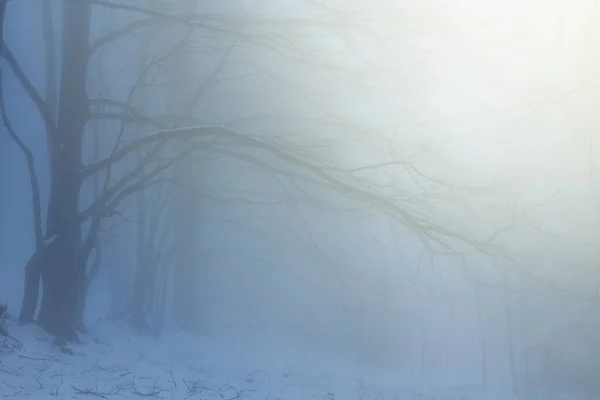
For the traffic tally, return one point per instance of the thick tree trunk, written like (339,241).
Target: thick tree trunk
(61,268)
(59,278)
(2,12)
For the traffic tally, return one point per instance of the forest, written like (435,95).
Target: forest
(294,199)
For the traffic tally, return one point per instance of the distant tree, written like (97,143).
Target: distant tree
(3,330)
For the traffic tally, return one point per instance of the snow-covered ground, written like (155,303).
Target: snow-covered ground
(114,362)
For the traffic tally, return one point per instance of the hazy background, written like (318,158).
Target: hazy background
(495,102)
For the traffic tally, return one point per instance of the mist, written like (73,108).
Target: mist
(401,194)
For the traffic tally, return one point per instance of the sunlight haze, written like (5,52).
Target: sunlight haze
(295,199)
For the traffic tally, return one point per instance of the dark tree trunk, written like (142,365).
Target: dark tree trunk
(86,279)
(161,298)
(185,213)
(59,278)
(61,268)
(2,11)
(92,244)
(140,280)
(33,273)
(185,299)
(147,266)
(79,308)
(144,292)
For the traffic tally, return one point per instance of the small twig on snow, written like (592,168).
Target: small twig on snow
(172,377)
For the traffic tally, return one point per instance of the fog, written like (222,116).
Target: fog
(416,198)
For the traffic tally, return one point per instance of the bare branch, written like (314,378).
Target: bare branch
(142,184)
(123,31)
(103,395)
(33,178)
(30,89)
(202,20)
(126,107)
(129,113)
(140,10)
(112,197)
(129,119)
(417,225)
(107,193)
(136,144)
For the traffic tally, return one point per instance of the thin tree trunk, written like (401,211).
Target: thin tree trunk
(185,268)
(2,12)
(89,276)
(86,277)
(163,284)
(33,274)
(482,336)
(138,299)
(185,213)
(142,278)
(33,269)
(145,289)
(510,339)
(148,222)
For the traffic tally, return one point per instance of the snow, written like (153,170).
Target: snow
(114,361)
